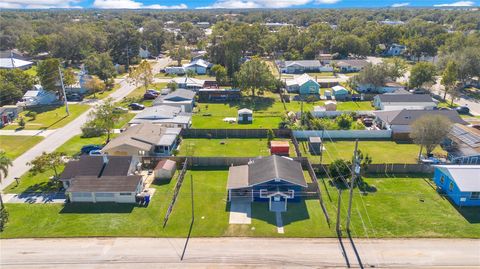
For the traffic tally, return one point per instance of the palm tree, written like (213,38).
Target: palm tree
(5,162)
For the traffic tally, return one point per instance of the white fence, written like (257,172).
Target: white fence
(344,134)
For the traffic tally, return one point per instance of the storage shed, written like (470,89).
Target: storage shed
(245,115)
(330,106)
(280,148)
(315,145)
(165,169)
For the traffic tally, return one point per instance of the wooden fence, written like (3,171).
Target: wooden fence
(233,133)
(180,178)
(386,168)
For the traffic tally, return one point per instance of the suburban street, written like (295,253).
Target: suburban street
(59,136)
(236,252)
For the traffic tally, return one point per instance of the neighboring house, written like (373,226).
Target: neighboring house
(79,86)
(399,121)
(166,116)
(219,95)
(272,179)
(404,101)
(37,97)
(8,114)
(348,66)
(144,53)
(189,83)
(302,66)
(144,139)
(304,85)
(245,115)
(203,24)
(165,169)
(389,87)
(198,54)
(325,58)
(11,59)
(461,183)
(199,66)
(102,179)
(184,99)
(463,145)
(340,92)
(395,50)
(175,70)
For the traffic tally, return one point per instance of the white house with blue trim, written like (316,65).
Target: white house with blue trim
(461,183)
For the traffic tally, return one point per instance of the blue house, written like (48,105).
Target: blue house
(340,92)
(460,182)
(272,179)
(304,85)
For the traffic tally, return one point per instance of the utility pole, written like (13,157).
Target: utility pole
(11,58)
(355,172)
(63,88)
(339,231)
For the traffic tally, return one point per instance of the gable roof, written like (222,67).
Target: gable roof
(354,63)
(189,81)
(300,80)
(105,184)
(166,164)
(245,111)
(465,176)
(199,62)
(339,89)
(17,63)
(180,94)
(406,117)
(304,63)
(405,98)
(94,166)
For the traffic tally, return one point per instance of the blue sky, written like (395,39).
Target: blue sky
(198,4)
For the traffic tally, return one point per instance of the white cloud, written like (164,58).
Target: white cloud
(401,5)
(38,4)
(131,4)
(233,4)
(457,4)
(326,1)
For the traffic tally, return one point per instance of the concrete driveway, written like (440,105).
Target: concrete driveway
(240,211)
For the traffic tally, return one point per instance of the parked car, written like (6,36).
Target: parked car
(149,96)
(418,91)
(136,106)
(95,152)
(119,110)
(462,110)
(152,91)
(88,148)
(75,97)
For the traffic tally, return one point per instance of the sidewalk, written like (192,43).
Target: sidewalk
(43,133)
(34,198)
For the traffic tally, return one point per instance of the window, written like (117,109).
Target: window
(125,194)
(104,194)
(475,195)
(442,180)
(81,194)
(450,187)
(263,193)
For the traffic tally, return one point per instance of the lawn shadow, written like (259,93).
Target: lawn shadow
(470,213)
(296,211)
(97,208)
(42,187)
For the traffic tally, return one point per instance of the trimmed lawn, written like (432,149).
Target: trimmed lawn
(232,147)
(123,120)
(30,182)
(15,146)
(380,151)
(104,94)
(341,106)
(321,74)
(49,117)
(136,96)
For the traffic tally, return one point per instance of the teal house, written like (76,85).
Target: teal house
(304,85)
(340,92)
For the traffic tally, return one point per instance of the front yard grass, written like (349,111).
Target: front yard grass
(104,94)
(15,146)
(380,151)
(49,117)
(341,106)
(136,96)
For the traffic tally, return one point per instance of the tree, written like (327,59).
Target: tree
(419,46)
(422,73)
(101,65)
(220,74)
(142,74)
(339,169)
(69,77)
(104,117)
(396,67)
(5,163)
(47,161)
(95,85)
(13,84)
(429,131)
(344,121)
(47,72)
(449,77)
(255,74)
(350,44)
(172,85)
(124,42)
(179,53)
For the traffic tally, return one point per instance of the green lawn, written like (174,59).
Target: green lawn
(123,120)
(73,146)
(49,117)
(30,182)
(104,94)
(232,147)
(15,146)
(342,106)
(136,96)
(380,151)
(321,74)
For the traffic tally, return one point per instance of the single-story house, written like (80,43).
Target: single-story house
(389,87)
(348,66)
(38,96)
(8,114)
(182,98)
(144,53)
(199,66)
(274,179)
(340,92)
(395,50)
(302,66)
(165,169)
(404,101)
(166,116)
(11,59)
(325,58)
(459,182)
(174,70)
(315,145)
(303,84)
(145,139)
(245,115)
(102,179)
(463,145)
(203,24)
(280,148)
(218,95)
(188,83)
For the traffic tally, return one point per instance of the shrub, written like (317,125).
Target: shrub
(344,121)
(32,114)
(21,122)
(90,130)
(340,170)
(358,126)
(3,218)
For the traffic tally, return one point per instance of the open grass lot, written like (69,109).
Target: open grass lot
(232,147)
(49,117)
(380,151)
(136,96)
(342,106)
(15,146)
(104,94)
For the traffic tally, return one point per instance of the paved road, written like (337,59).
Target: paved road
(464,100)
(61,135)
(235,252)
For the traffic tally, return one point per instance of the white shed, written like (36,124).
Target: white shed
(245,115)
(165,169)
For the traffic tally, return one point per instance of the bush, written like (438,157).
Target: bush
(358,126)
(340,170)
(32,114)
(90,130)
(3,218)
(344,121)
(21,122)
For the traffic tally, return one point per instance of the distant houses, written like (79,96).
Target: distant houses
(11,59)
(197,65)
(389,87)
(38,96)
(350,65)
(395,50)
(302,66)
(404,101)
(304,85)
(163,115)
(463,145)
(340,92)
(189,83)
(461,183)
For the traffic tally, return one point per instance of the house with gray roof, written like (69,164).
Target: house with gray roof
(272,179)
(404,101)
(350,65)
(182,98)
(302,66)
(145,139)
(164,115)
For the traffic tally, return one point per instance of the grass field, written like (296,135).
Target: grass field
(380,151)
(15,146)
(342,106)
(104,94)
(136,96)
(49,117)
(232,147)
(73,146)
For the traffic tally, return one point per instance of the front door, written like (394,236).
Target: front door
(245,118)
(276,198)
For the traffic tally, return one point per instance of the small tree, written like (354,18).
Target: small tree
(449,78)
(270,135)
(21,122)
(220,74)
(172,85)
(5,163)
(422,73)
(429,131)
(104,117)
(47,161)
(142,74)
(255,75)
(344,121)
(95,85)
(69,77)
(339,170)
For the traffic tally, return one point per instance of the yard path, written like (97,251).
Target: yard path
(236,252)
(62,135)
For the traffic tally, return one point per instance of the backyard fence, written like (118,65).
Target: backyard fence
(386,168)
(296,146)
(180,178)
(233,133)
(336,113)
(344,134)
(313,176)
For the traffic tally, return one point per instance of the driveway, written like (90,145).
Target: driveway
(35,198)
(62,135)
(240,211)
